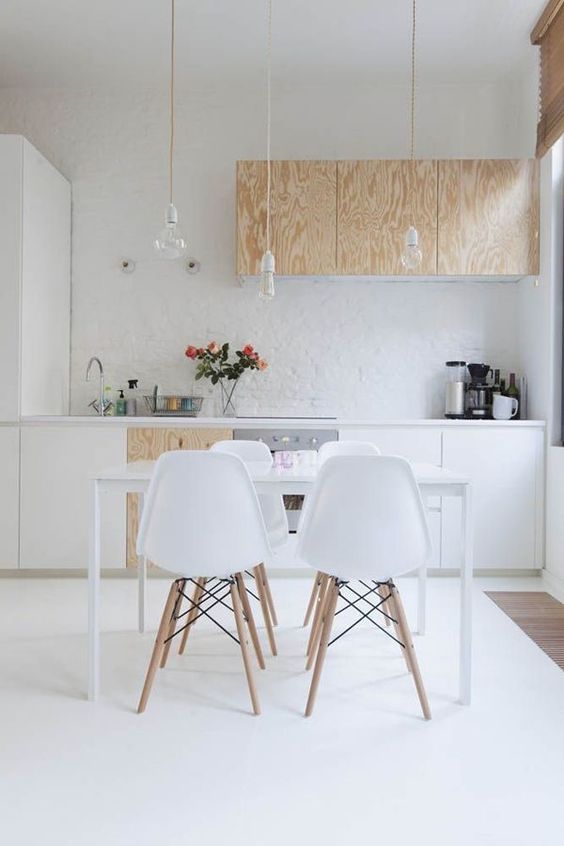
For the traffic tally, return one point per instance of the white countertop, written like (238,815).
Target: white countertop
(266,422)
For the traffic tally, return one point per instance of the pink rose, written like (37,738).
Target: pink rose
(248,349)
(262,365)
(201,351)
(191,352)
(254,356)
(213,347)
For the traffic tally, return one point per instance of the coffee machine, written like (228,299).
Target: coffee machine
(478,392)
(455,391)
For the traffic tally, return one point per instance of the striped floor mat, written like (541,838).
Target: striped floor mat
(539,615)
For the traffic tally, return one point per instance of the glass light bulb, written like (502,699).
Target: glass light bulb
(170,243)
(266,288)
(411,256)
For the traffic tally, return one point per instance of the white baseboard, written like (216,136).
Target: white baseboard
(553,584)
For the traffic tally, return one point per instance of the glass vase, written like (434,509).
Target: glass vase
(226,391)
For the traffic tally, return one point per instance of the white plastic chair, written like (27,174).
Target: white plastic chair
(364,521)
(330,450)
(202,521)
(273,511)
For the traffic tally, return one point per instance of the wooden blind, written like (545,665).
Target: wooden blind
(549,35)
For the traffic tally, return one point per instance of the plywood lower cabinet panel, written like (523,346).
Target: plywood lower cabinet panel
(488,217)
(146,444)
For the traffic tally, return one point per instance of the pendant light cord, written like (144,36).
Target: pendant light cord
(268,119)
(171,104)
(413,20)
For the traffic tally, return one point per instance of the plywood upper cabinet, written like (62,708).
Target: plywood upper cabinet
(303,221)
(488,217)
(377,202)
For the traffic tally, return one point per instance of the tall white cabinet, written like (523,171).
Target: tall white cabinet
(35,233)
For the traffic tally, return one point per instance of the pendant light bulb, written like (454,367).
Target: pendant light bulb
(411,256)
(170,243)
(266,288)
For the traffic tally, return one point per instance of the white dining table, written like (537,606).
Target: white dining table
(134,477)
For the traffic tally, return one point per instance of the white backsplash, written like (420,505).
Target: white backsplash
(348,348)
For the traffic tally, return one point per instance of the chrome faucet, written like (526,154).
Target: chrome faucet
(101,405)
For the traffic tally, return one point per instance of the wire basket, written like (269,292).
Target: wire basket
(174,404)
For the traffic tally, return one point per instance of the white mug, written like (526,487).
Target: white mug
(504,408)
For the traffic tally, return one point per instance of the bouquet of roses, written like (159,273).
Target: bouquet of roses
(214,363)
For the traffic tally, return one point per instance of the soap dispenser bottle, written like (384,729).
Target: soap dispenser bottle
(120,404)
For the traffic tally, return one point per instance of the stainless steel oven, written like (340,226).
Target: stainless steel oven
(290,440)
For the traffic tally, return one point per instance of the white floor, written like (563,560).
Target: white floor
(198,768)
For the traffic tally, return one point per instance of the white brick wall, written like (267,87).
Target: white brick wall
(352,348)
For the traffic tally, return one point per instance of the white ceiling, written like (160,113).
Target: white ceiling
(94,43)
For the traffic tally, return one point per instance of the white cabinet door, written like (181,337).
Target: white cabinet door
(10,270)
(417,444)
(56,463)
(45,296)
(9,496)
(505,466)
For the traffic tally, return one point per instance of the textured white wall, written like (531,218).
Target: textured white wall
(352,348)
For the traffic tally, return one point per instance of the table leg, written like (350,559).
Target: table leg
(466,574)
(141,571)
(94,594)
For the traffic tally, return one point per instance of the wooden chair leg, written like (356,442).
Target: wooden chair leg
(406,639)
(159,646)
(265,610)
(268,593)
(247,611)
(192,614)
(173,621)
(383,595)
(321,596)
(392,611)
(312,598)
(240,623)
(331,605)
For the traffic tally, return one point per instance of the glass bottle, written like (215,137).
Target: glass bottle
(513,391)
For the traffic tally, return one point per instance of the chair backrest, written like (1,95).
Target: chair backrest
(332,448)
(272,505)
(248,451)
(202,516)
(364,519)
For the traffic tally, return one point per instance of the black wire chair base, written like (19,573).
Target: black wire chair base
(353,604)
(216,591)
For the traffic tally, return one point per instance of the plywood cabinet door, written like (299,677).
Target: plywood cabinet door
(377,202)
(303,217)
(488,217)
(146,444)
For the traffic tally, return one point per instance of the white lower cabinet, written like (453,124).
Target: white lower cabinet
(506,468)
(9,496)
(56,462)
